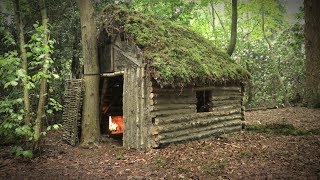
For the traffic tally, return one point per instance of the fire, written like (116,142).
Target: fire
(116,124)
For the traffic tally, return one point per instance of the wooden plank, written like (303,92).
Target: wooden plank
(143,125)
(139,108)
(126,132)
(148,119)
(132,59)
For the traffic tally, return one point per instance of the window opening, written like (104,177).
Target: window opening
(204,103)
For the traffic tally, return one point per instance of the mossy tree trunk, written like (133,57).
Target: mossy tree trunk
(233,36)
(43,81)
(312,47)
(90,115)
(24,63)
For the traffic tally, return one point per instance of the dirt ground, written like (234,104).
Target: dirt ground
(242,155)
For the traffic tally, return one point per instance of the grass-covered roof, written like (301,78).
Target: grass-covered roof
(176,55)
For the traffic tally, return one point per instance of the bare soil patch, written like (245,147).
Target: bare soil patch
(242,155)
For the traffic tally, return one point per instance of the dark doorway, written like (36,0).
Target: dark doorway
(112,106)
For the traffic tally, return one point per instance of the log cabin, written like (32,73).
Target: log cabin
(168,83)
(162,82)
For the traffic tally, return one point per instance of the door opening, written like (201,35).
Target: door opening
(112,106)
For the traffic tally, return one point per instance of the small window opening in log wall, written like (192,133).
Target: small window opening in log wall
(112,106)
(203,101)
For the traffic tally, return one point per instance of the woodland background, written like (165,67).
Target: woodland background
(270,45)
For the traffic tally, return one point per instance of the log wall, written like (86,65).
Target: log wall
(175,118)
(136,112)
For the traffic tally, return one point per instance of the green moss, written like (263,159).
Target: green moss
(177,56)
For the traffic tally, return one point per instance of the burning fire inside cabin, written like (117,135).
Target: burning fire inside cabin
(116,124)
(111,106)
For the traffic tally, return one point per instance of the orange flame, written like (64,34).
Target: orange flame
(116,124)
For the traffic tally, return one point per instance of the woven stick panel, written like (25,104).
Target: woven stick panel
(71,117)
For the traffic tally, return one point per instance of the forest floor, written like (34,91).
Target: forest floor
(288,147)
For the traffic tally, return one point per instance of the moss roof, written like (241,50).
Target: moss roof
(176,55)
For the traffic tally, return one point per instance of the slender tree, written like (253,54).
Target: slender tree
(233,36)
(90,114)
(23,54)
(312,47)
(43,80)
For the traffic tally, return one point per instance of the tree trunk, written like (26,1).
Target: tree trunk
(233,36)
(43,80)
(312,49)
(19,26)
(76,68)
(262,25)
(90,115)
(213,17)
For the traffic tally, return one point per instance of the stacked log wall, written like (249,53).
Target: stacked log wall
(175,118)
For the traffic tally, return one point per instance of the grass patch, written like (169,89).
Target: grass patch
(119,155)
(160,161)
(215,168)
(247,154)
(281,129)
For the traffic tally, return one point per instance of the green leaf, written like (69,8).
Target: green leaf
(49,111)
(21,73)
(14,83)
(56,76)
(20,117)
(56,126)
(27,154)
(48,128)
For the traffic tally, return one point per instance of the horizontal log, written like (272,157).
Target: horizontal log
(225,102)
(189,117)
(194,123)
(217,88)
(225,107)
(201,134)
(118,73)
(226,124)
(165,100)
(194,89)
(225,93)
(173,106)
(166,90)
(171,112)
(220,98)
(170,95)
